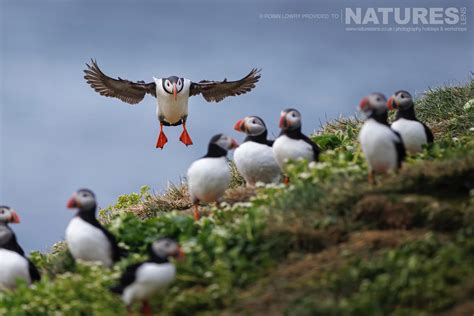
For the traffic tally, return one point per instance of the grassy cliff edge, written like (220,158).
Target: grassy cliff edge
(327,244)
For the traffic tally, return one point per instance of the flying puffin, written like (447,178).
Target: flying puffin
(254,157)
(292,143)
(383,147)
(141,280)
(87,240)
(414,133)
(172,94)
(13,262)
(209,176)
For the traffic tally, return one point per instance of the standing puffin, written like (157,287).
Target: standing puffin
(254,157)
(292,143)
(382,146)
(87,240)
(13,263)
(414,133)
(172,94)
(141,280)
(209,177)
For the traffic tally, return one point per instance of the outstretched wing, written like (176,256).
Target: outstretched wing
(125,90)
(215,91)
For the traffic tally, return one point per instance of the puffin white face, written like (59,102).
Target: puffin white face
(82,199)
(8,215)
(171,85)
(290,119)
(251,125)
(166,248)
(374,102)
(225,142)
(400,99)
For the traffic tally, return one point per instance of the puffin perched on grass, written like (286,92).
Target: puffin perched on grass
(254,157)
(209,177)
(141,281)
(383,147)
(414,133)
(292,143)
(13,262)
(172,94)
(86,238)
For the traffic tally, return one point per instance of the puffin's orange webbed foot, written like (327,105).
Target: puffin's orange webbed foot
(196,214)
(146,309)
(185,138)
(162,140)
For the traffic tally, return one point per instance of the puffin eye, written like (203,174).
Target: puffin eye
(2,211)
(402,96)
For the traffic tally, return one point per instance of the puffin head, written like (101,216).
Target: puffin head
(8,215)
(172,85)
(400,100)
(374,103)
(166,248)
(224,142)
(251,125)
(290,119)
(83,199)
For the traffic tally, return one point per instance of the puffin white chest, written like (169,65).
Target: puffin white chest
(285,148)
(413,134)
(378,144)
(149,278)
(208,178)
(88,243)
(170,109)
(256,163)
(12,267)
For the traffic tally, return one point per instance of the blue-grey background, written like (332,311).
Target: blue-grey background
(57,134)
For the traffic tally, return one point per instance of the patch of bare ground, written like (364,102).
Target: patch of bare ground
(177,197)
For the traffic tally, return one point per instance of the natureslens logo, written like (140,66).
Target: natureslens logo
(405,16)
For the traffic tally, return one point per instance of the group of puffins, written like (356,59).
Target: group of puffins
(257,159)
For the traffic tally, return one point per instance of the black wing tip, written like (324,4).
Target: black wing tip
(255,74)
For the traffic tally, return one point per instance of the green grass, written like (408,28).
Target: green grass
(241,255)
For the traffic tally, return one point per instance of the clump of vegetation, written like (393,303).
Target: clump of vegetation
(326,244)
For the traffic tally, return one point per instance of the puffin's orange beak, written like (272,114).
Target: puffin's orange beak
(15,219)
(72,202)
(283,121)
(174,92)
(234,144)
(391,103)
(240,126)
(180,255)
(363,103)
